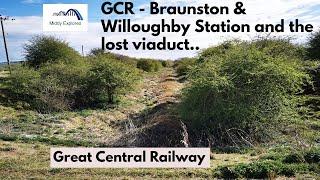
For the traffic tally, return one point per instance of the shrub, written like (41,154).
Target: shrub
(312,156)
(218,51)
(43,49)
(313,46)
(66,86)
(167,63)
(183,65)
(279,47)
(109,78)
(262,170)
(294,158)
(235,97)
(97,52)
(313,88)
(274,47)
(50,88)
(21,82)
(149,65)
(257,170)
(272,156)
(228,173)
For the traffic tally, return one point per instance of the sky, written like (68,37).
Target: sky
(28,23)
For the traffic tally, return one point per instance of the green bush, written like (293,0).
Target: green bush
(312,156)
(228,173)
(294,158)
(280,47)
(257,170)
(50,88)
(167,63)
(96,52)
(314,72)
(272,156)
(66,86)
(149,65)
(43,49)
(234,98)
(110,78)
(183,65)
(219,51)
(313,46)
(262,170)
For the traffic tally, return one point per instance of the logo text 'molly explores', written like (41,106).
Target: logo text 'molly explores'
(65,17)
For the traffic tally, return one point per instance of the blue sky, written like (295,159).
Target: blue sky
(34,7)
(28,15)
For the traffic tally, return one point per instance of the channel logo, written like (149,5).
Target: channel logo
(70,12)
(65,17)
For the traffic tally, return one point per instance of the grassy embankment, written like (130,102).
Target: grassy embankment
(26,136)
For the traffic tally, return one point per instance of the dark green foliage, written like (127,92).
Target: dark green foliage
(313,88)
(97,52)
(167,63)
(262,170)
(183,65)
(149,65)
(312,156)
(294,158)
(233,98)
(43,49)
(229,173)
(257,170)
(313,49)
(272,156)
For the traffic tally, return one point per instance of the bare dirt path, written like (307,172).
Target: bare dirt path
(139,116)
(156,124)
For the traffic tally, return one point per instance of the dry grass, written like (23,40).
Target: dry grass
(21,161)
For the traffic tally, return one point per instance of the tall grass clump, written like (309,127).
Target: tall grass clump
(235,97)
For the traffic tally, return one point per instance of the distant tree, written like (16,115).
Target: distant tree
(97,51)
(183,65)
(314,46)
(44,49)
(149,65)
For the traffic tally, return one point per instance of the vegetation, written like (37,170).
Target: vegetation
(43,49)
(109,78)
(183,65)
(288,165)
(96,52)
(233,98)
(149,65)
(313,47)
(72,83)
(167,63)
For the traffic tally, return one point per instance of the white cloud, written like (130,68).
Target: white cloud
(271,11)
